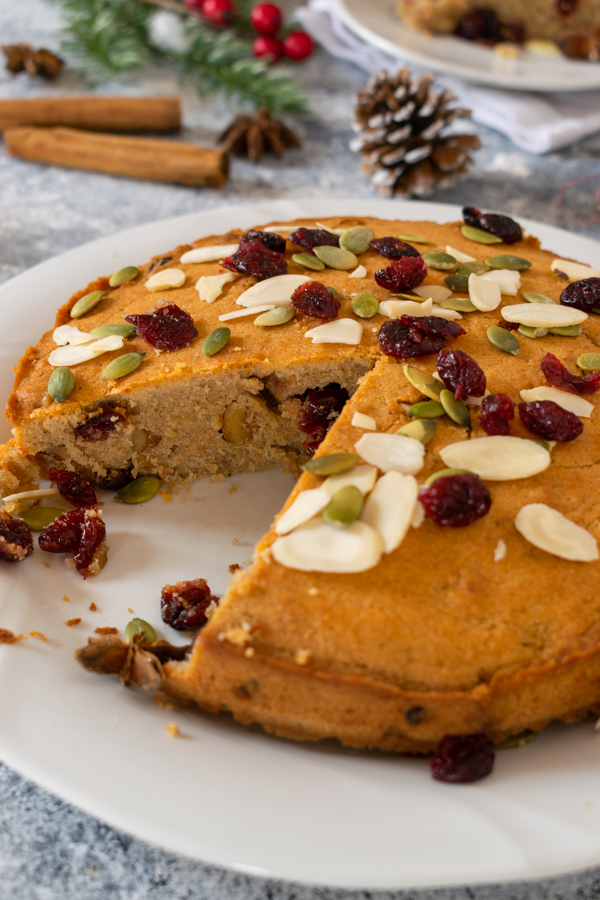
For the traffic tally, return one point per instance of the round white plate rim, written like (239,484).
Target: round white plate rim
(60,272)
(357,22)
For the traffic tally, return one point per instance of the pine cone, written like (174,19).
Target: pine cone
(403,135)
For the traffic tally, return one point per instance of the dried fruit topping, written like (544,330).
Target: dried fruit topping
(413,336)
(16,542)
(114,479)
(254,258)
(321,409)
(550,421)
(101,426)
(456,500)
(393,248)
(583,295)
(183,605)
(73,487)
(81,533)
(463,758)
(402,274)
(167,328)
(480,25)
(313,299)
(269,239)
(560,376)
(461,374)
(503,227)
(496,412)
(307,238)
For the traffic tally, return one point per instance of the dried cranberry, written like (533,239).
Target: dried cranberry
(73,487)
(550,421)
(496,412)
(183,605)
(114,479)
(463,758)
(80,532)
(313,299)
(271,240)
(167,328)
(456,500)
(413,336)
(100,427)
(583,295)
(16,542)
(307,238)
(321,408)
(461,374)
(560,376)
(402,274)
(393,248)
(480,25)
(503,227)
(257,260)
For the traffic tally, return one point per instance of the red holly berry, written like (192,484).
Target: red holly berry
(195,5)
(298,45)
(266,18)
(268,46)
(218,12)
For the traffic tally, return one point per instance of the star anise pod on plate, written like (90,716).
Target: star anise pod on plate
(21,57)
(253,136)
(138,661)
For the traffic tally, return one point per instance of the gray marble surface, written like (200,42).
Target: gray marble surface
(48,849)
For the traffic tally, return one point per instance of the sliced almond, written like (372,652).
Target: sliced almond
(435,292)
(68,334)
(392,452)
(459,256)
(276,291)
(361,477)
(396,308)
(549,530)
(543,315)
(418,516)
(451,315)
(72,356)
(281,229)
(507,280)
(250,311)
(390,507)
(340,331)
(485,295)
(306,505)
(317,546)
(338,231)
(31,495)
(574,271)
(208,254)
(500,550)
(210,287)
(359,272)
(573,402)
(497,458)
(360,420)
(165,280)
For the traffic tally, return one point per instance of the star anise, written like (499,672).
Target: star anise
(253,136)
(21,57)
(138,662)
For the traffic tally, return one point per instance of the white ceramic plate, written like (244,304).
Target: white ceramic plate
(221,793)
(378,23)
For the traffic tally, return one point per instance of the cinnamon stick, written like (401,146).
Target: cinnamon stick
(145,158)
(121,114)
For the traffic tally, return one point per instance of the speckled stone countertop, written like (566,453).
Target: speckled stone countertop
(48,849)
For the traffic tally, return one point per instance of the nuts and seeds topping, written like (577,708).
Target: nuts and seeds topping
(459,256)
(210,287)
(208,254)
(390,507)
(123,365)
(365,304)
(250,311)
(86,303)
(331,463)
(444,473)
(436,259)
(456,500)
(559,375)
(336,257)
(278,315)
(61,384)
(216,340)
(345,506)
(317,546)
(460,374)
(503,340)
(497,458)
(16,542)
(139,626)
(421,429)
(340,331)
(360,420)
(547,529)
(472,267)
(39,516)
(359,272)
(458,283)
(426,409)
(122,329)
(140,490)
(393,248)
(74,354)
(313,299)
(309,261)
(508,281)
(402,274)
(543,315)
(573,271)
(167,328)
(165,280)
(566,330)
(589,362)
(362,477)
(423,381)
(533,297)
(478,236)
(532,333)
(413,336)
(435,292)
(391,452)
(502,227)
(484,294)
(305,506)
(413,238)
(122,276)
(455,409)
(497,411)
(395,309)
(275,291)
(356,239)
(505,261)
(183,605)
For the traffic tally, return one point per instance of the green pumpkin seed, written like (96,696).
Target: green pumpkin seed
(278,316)
(421,430)
(530,332)
(472,268)
(333,292)
(365,305)
(503,339)
(139,626)
(345,506)
(516,740)
(141,489)
(506,261)
(336,257)
(216,340)
(357,239)
(479,236)
(445,473)
(532,297)
(424,382)
(123,329)
(122,365)
(547,445)
(455,409)
(61,384)
(456,282)
(308,261)
(425,409)
(566,330)
(589,362)
(39,516)
(331,463)
(86,303)
(414,297)
(413,238)
(460,304)
(129,273)
(435,259)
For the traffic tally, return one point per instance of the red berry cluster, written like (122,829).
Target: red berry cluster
(267,19)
